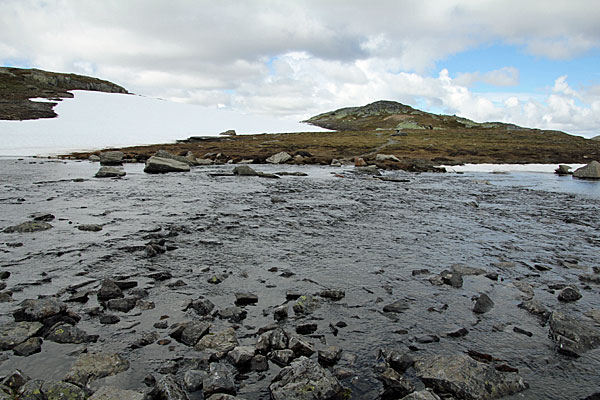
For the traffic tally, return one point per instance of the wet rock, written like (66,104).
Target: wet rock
(458,333)
(168,388)
(417,272)
(516,329)
(282,357)
(233,314)
(397,307)
(594,314)
(524,288)
(109,172)
(109,319)
(90,227)
(573,337)
(453,279)
(113,393)
(279,158)
(91,366)
(394,384)
(28,227)
(483,304)
(400,361)
(590,278)
(15,333)
(52,391)
(292,294)
(424,339)
(301,347)
(259,363)
(224,396)
(125,304)
(4,275)
(590,171)
(493,276)
(216,279)
(41,216)
(111,158)
(245,298)
(332,294)
(304,379)
(306,329)
(281,312)
(569,294)
(563,170)
(6,297)
(241,355)
(190,332)
(160,276)
(223,341)
(466,378)
(145,340)
(329,355)
(159,165)
(202,307)
(219,379)
(65,333)
(78,297)
(39,309)
(109,290)
(244,170)
(422,395)
(193,380)
(30,346)
(536,308)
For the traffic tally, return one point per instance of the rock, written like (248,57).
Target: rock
(28,227)
(524,288)
(466,378)
(168,388)
(94,158)
(229,132)
(46,217)
(458,333)
(359,162)
(594,314)
(14,381)
(400,361)
(245,298)
(305,305)
(109,319)
(219,380)
(233,314)
(190,332)
(125,304)
(79,297)
(30,346)
(563,170)
(394,384)
(146,339)
(281,312)
(329,355)
(113,393)
(193,380)
(165,154)
(51,391)
(397,307)
(91,366)
(158,165)
(453,279)
(306,329)
(65,333)
(111,158)
(301,347)
(259,363)
(422,395)
(109,290)
(386,157)
(304,379)
(224,396)
(279,158)
(282,357)
(204,161)
(110,172)
(573,337)
(536,308)
(223,341)
(590,171)
(424,339)
(332,294)
(465,270)
(516,329)
(244,170)
(90,227)
(39,309)
(483,304)
(241,355)
(569,294)
(15,333)
(202,307)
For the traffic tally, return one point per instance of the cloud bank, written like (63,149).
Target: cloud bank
(299,58)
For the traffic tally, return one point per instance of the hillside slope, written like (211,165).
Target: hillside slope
(18,86)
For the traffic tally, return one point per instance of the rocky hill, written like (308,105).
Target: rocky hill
(18,86)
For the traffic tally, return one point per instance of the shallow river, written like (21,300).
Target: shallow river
(349,232)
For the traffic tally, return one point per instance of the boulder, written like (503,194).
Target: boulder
(483,304)
(241,355)
(109,290)
(193,380)
(573,337)
(223,341)
(219,379)
(168,388)
(386,157)
(15,333)
(466,378)
(158,165)
(91,366)
(394,384)
(563,170)
(569,294)
(202,307)
(39,309)
(94,158)
(397,307)
(40,390)
(124,304)
(109,172)
(165,154)
(30,346)
(65,333)
(28,227)
(190,332)
(422,395)
(113,393)
(279,158)
(90,227)
(304,379)
(244,170)
(590,171)
(359,162)
(111,158)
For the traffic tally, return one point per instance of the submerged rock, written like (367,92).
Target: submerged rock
(28,227)
(573,337)
(159,165)
(466,378)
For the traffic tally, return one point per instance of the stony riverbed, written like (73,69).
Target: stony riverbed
(389,272)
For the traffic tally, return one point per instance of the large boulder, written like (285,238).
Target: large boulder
(466,378)
(279,158)
(109,172)
(111,158)
(573,337)
(590,171)
(160,165)
(304,379)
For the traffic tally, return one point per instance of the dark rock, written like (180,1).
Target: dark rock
(202,307)
(219,380)
(400,361)
(453,279)
(215,279)
(15,333)
(536,308)
(418,272)
(244,170)
(233,314)
(241,355)
(39,309)
(427,394)
(397,307)
(15,380)
(483,304)
(4,275)
(492,276)
(28,227)
(329,355)
(292,295)
(109,319)
(458,333)
(563,170)
(78,297)
(301,347)
(168,388)
(573,337)
(466,378)
(223,341)
(90,227)
(109,172)
(109,290)
(30,346)
(569,294)
(282,357)
(259,363)
(91,366)
(304,379)
(281,312)
(190,332)
(125,304)
(113,393)
(160,276)
(65,333)
(306,329)
(145,340)
(424,339)
(516,329)
(52,391)
(394,384)
(332,294)
(125,285)
(245,298)
(193,380)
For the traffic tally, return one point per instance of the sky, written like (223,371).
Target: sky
(535,63)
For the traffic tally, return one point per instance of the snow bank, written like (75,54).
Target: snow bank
(547,168)
(94,120)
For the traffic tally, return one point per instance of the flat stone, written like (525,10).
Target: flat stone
(125,304)
(15,333)
(111,158)
(159,165)
(109,172)
(65,333)
(91,366)
(90,227)
(30,346)
(39,309)
(189,332)
(245,298)
(223,341)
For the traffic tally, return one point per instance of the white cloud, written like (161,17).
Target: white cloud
(506,76)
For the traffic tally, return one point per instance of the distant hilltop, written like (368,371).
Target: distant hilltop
(385,114)
(18,86)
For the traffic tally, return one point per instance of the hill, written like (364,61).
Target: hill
(18,86)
